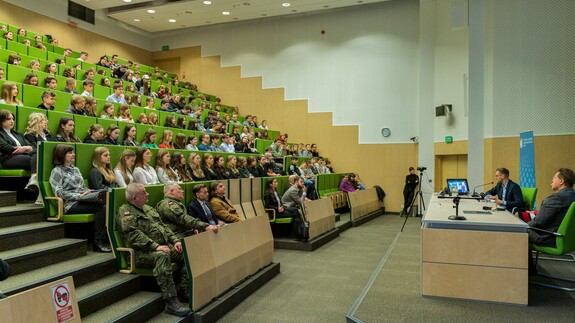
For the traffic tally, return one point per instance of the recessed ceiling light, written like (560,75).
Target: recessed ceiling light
(151,11)
(137,20)
(128,1)
(286,4)
(172,20)
(226,13)
(207,2)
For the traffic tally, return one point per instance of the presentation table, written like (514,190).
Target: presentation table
(483,258)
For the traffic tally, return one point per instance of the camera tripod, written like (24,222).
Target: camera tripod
(421,203)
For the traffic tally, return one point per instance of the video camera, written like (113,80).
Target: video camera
(421,169)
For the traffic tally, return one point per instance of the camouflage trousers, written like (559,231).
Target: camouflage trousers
(162,264)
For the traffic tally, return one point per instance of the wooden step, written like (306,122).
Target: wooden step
(84,270)
(22,213)
(43,254)
(106,291)
(28,234)
(138,307)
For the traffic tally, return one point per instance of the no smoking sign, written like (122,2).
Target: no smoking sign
(62,300)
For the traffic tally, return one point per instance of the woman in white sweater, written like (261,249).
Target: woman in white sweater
(123,170)
(144,173)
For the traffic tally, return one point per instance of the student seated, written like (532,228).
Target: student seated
(178,166)
(112,134)
(66,130)
(130,136)
(163,170)
(67,182)
(195,169)
(48,100)
(70,86)
(149,139)
(10,94)
(272,200)
(77,104)
(123,170)
(95,135)
(143,172)
(101,175)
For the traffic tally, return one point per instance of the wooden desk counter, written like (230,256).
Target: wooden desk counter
(481,258)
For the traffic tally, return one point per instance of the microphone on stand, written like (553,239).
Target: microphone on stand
(475,194)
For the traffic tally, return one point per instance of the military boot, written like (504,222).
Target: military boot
(174,307)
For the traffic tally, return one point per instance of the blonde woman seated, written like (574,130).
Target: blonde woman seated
(130,136)
(123,170)
(195,169)
(124,113)
(142,118)
(167,137)
(10,94)
(108,111)
(149,139)
(143,172)
(153,119)
(95,135)
(178,165)
(101,175)
(232,169)
(34,65)
(163,169)
(36,130)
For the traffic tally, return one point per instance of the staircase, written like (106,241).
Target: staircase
(38,253)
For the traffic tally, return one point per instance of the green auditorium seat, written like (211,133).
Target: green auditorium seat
(37,53)
(84,153)
(32,95)
(565,244)
(17,47)
(2,45)
(86,65)
(63,100)
(51,57)
(101,92)
(82,125)
(54,120)
(16,73)
(262,144)
(106,123)
(53,205)
(529,197)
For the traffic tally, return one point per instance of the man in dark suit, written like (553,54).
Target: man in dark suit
(508,192)
(553,208)
(200,208)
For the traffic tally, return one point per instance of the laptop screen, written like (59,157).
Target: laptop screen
(460,185)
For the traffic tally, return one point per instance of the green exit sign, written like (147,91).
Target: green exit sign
(448,139)
(165,48)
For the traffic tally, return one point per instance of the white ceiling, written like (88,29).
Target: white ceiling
(194,13)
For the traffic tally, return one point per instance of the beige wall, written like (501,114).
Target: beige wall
(75,38)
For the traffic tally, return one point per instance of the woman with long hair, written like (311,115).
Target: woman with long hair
(170,122)
(167,137)
(37,129)
(208,167)
(137,99)
(66,130)
(108,111)
(123,170)
(195,168)
(31,79)
(149,139)
(124,113)
(178,165)
(232,169)
(252,163)
(142,118)
(51,68)
(192,143)
(101,175)
(90,106)
(153,119)
(95,134)
(143,172)
(242,167)
(10,94)
(112,134)
(243,146)
(220,168)
(165,173)
(180,141)
(67,182)
(130,136)
(272,200)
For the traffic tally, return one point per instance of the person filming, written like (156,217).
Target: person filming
(411,182)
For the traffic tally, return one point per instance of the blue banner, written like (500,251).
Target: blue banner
(527,160)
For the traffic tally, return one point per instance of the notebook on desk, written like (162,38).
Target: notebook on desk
(460,184)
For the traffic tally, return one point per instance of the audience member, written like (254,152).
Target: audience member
(232,170)
(48,100)
(10,94)
(67,182)
(178,166)
(295,195)
(155,245)
(130,136)
(70,86)
(345,185)
(208,167)
(108,111)
(192,143)
(77,104)
(166,141)
(51,82)
(88,86)
(124,113)
(163,169)
(66,130)
(143,172)
(180,141)
(273,201)
(200,207)
(149,139)
(221,205)
(31,79)
(95,135)
(101,175)
(118,95)
(37,129)
(219,168)
(123,170)
(112,134)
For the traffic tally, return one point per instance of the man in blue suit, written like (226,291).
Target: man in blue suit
(200,208)
(508,192)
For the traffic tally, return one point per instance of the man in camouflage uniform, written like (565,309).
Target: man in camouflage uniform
(175,216)
(155,244)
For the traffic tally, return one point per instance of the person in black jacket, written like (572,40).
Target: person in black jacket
(36,131)
(252,164)
(17,153)
(200,207)
(411,182)
(112,135)
(272,200)
(95,134)
(102,176)
(208,167)
(508,192)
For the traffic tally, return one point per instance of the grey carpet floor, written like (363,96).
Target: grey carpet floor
(322,286)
